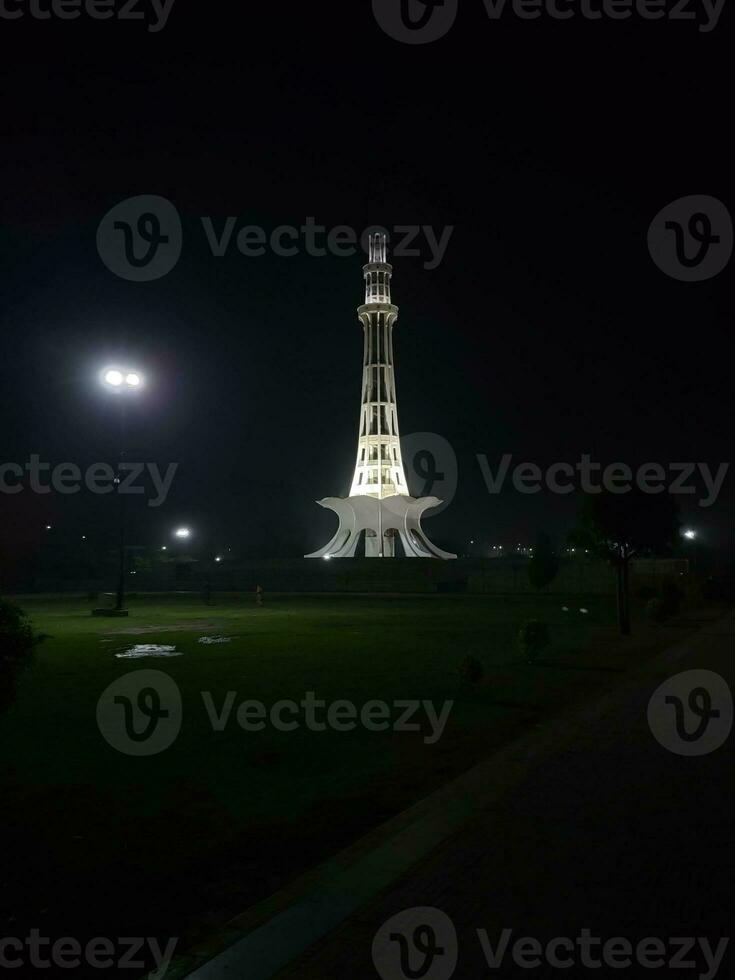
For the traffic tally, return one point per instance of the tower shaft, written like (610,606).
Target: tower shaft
(379,466)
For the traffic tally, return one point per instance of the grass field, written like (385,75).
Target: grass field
(101,843)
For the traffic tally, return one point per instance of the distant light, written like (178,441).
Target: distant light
(133,380)
(183,532)
(48,527)
(218,558)
(327,558)
(113,378)
(690,535)
(84,537)
(164,548)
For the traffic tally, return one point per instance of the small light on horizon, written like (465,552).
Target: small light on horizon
(182,532)
(690,534)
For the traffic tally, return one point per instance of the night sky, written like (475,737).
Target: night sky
(546,331)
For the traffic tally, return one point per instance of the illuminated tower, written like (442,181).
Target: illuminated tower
(379,467)
(379,503)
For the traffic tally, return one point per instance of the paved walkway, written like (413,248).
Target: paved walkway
(607,830)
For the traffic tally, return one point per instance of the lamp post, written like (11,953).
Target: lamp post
(122,383)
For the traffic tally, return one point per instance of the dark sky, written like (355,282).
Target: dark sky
(546,332)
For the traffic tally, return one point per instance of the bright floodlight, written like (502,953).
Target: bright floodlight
(183,532)
(121,378)
(690,535)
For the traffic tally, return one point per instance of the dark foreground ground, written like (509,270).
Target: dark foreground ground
(609,832)
(99,843)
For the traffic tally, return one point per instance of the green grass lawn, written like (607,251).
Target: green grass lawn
(101,843)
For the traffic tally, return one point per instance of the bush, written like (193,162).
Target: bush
(533,638)
(471,670)
(17,639)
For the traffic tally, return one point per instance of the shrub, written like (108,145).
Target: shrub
(17,639)
(533,638)
(471,670)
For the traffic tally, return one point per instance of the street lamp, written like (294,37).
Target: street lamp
(122,381)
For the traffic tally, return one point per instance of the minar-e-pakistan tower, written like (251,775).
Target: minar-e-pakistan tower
(379,503)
